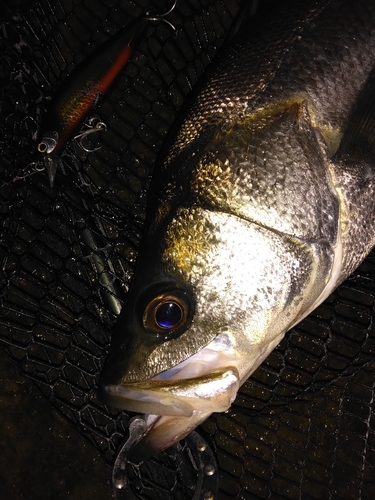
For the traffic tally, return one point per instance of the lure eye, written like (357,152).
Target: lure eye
(42,147)
(166,313)
(48,142)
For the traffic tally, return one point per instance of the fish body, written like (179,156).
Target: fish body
(82,91)
(262,203)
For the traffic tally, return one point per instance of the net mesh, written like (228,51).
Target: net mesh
(303,426)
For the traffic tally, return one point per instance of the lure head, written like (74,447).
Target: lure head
(48,143)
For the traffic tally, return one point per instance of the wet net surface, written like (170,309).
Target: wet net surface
(303,426)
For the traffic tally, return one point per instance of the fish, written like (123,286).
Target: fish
(261,204)
(84,88)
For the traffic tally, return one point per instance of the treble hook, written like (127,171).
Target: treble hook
(98,127)
(138,428)
(37,168)
(161,17)
(199,453)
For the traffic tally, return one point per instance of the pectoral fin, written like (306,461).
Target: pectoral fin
(357,146)
(353,175)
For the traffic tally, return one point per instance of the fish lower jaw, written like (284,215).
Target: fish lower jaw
(213,392)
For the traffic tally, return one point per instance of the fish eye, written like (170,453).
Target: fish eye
(166,313)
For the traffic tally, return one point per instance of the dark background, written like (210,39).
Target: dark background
(302,426)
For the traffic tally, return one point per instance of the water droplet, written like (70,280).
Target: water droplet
(120,483)
(201,446)
(209,470)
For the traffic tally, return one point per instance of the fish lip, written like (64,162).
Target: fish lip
(141,401)
(207,381)
(214,391)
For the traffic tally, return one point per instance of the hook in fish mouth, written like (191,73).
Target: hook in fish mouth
(177,400)
(196,452)
(205,382)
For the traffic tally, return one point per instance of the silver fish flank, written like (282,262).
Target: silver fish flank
(262,203)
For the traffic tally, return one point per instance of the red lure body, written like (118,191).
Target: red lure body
(79,94)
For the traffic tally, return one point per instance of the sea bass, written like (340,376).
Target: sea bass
(262,203)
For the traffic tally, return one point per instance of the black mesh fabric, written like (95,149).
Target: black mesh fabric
(303,426)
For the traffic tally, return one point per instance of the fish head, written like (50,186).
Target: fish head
(222,301)
(214,292)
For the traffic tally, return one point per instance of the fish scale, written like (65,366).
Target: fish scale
(281,58)
(255,188)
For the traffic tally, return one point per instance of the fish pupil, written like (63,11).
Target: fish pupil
(168,315)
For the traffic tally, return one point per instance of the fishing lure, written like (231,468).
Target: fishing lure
(84,88)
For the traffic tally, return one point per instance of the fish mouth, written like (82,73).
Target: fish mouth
(208,381)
